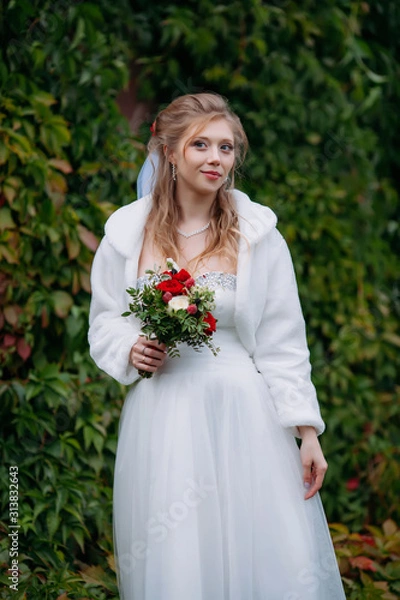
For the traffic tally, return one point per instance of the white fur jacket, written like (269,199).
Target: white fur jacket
(268,315)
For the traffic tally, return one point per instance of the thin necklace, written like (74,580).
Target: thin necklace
(195,232)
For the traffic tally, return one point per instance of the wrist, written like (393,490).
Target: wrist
(307,432)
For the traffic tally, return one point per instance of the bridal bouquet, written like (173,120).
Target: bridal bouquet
(174,309)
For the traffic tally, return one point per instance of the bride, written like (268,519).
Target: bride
(213,498)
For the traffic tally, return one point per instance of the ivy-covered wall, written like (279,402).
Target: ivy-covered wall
(316,84)
(67,160)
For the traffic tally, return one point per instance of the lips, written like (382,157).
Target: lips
(212,174)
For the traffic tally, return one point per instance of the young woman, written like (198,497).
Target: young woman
(213,500)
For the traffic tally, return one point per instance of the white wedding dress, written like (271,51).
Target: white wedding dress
(208,492)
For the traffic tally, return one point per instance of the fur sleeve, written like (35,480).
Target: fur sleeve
(111,336)
(282,354)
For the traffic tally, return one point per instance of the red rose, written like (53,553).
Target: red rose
(170,285)
(167,296)
(181,275)
(189,283)
(212,324)
(192,309)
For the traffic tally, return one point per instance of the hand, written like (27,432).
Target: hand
(313,461)
(147,355)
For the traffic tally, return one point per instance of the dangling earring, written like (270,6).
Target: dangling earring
(227,182)
(173,172)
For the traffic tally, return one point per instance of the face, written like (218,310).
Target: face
(204,162)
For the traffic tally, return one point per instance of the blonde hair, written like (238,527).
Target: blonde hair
(169,128)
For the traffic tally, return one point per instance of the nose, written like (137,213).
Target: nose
(213,156)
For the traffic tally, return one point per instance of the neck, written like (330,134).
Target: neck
(194,209)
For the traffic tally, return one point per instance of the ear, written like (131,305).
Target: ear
(169,155)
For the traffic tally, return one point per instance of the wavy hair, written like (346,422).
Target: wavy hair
(170,126)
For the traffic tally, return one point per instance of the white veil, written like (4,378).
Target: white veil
(146,177)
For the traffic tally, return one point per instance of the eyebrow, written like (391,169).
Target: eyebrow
(202,137)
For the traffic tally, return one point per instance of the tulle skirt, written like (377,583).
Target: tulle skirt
(208,491)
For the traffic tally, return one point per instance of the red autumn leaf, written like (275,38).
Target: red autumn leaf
(61,165)
(73,247)
(352,484)
(76,286)
(368,539)
(363,562)
(11,313)
(23,349)
(45,317)
(9,340)
(368,428)
(88,238)
(84,279)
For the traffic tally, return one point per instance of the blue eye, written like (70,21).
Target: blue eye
(199,144)
(227,147)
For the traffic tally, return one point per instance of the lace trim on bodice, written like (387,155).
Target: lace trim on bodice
(212,279)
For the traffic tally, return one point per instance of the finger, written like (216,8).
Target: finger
(145,363)
(307,478)
(154,353)
(147,368)
(147,355)
(315,486)
(152,342)
(147,350)
(157,345)
(307,474)
(137,358)
(149,340)
(154,358)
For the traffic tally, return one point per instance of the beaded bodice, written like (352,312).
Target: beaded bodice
(212,279)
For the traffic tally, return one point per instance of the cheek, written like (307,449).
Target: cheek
(191,160)
(229,163)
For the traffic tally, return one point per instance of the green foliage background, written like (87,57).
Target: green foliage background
(317,86)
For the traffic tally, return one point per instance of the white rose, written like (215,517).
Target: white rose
(178,303)
(171,264)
